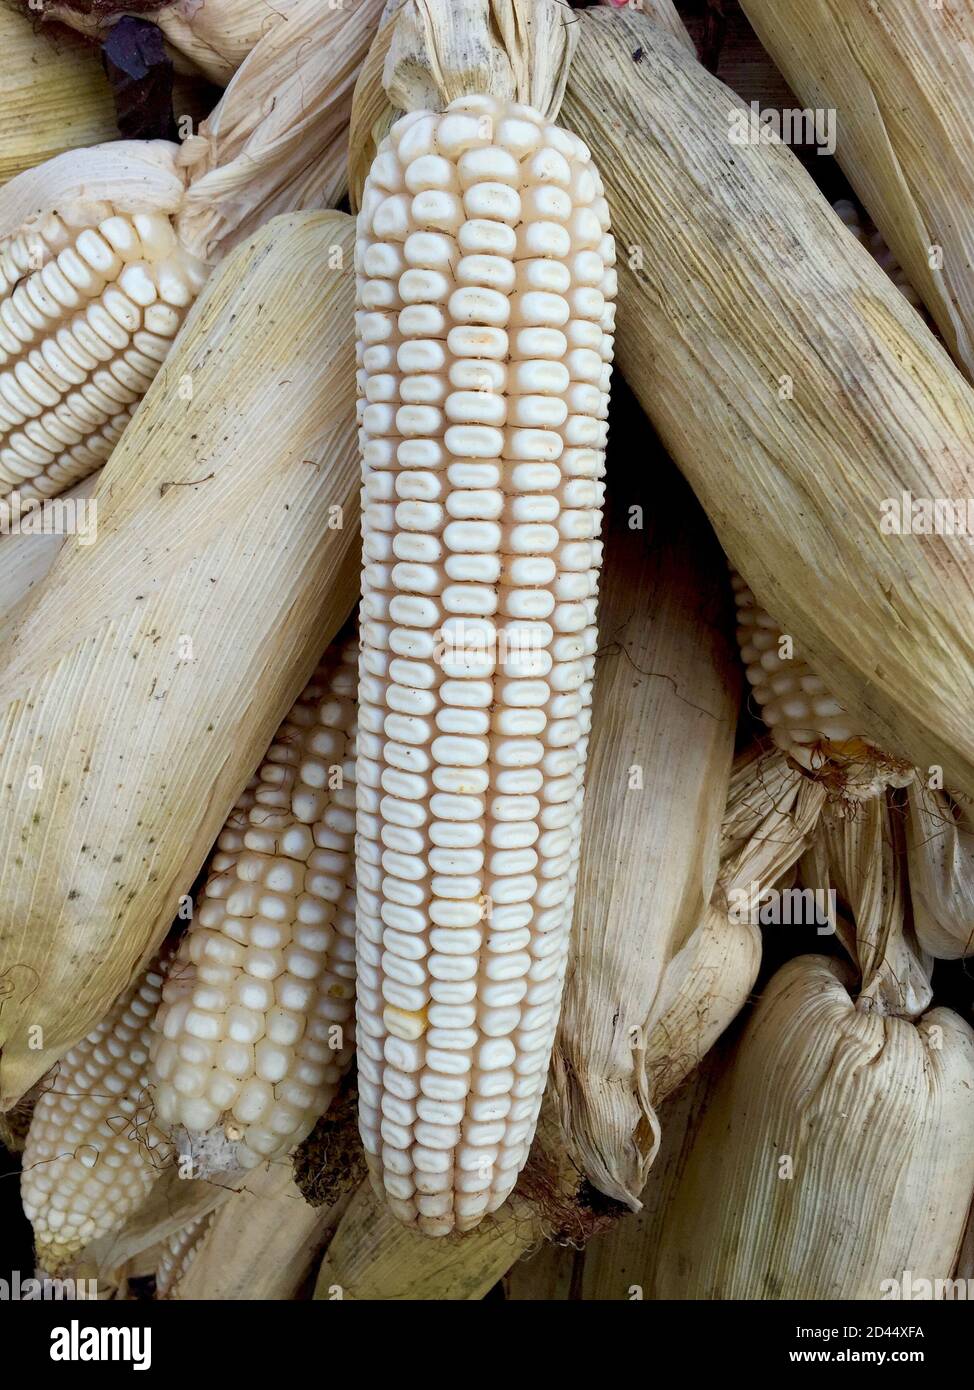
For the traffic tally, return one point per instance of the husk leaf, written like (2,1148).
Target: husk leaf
(837,1151)
(372,113)
(940,853)
(737,277)
(262,1244)
(665,707)
(218,538)
(516,50)
(861,858)
(900,79)
(277,140)
(55,96)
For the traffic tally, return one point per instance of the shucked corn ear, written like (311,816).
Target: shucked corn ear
(93,1150)
(227,555)
(253,1034)
(805,720)
(178,1252)
(103,251)
(484,325)
(838,397)
(91,301)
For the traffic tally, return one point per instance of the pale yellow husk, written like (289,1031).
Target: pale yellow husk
(144,678)
(26,556)
(900,80)
(263,1244)
(665,708)
(55,94)
(836,1153)
(940,850)
(740,287)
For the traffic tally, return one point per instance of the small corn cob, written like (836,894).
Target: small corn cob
(93,1151)
(485,340)
(252,1036)
(805,720)
(178,1253)
(90,301)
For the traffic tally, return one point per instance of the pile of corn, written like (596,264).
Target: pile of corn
(390,825)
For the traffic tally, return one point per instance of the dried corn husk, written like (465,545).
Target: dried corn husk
(862,859)
(965,1260)
(213,38)
(26,557)
(55,95)
(262,1244)
(146,676)
(837,1151)
(940,850)
(665,710)
(619,1264)
(900,79)
(750,292)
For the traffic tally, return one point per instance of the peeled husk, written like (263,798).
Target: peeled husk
(55,95)
(218,538)
(665,706)
(876,1115)
(940,850)
(900,79)
(748,277)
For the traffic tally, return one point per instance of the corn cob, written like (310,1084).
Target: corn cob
(103,251)
(91,301)
(93,1150)
(179,1251)
(806,722)
(484,371)
(250,1041)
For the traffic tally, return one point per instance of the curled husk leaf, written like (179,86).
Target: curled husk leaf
(940,850)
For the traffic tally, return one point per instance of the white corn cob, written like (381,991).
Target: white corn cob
(485,318)
(92,1151)
(805,720)
(178,1253)
(90,301)
(253,1033)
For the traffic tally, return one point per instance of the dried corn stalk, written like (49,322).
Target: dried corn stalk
(900,79)
(55,96)
(227,554)
(757,296)
(837,1151)
(103,250)
(665,711)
